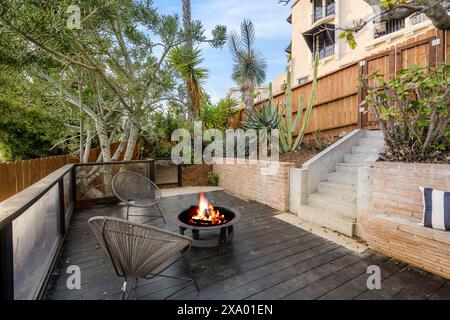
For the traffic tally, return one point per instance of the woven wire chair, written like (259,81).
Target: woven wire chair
(137,191)
(136,250)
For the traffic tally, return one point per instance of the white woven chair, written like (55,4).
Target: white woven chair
(136,250)
(138,191)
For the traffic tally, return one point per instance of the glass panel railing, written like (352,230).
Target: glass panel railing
(93,180)
(166,172)
(35,240)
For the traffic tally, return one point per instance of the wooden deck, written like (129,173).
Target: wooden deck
(268,259)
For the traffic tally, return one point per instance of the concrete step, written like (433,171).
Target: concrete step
(328,219)
(371,142)
(365,150)
(328,202)
(356,158)
(338,191)
(374,134)
(348,168)
(347,179)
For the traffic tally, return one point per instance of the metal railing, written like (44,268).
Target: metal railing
(326,51)
(388,27)
(418,18)
(33,222)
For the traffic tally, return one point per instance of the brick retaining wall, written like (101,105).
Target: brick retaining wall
(246,180)
(392,226)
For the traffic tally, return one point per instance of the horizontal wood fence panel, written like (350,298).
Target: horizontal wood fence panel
(339,96)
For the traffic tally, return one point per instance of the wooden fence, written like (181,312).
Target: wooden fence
(19,175)
(339,96)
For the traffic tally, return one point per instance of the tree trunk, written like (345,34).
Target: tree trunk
(103,138)
(249,101)
(87,148)
(187,22)
(134,132)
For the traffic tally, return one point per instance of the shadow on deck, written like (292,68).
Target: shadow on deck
(268,259)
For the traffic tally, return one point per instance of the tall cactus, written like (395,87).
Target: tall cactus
(289,126)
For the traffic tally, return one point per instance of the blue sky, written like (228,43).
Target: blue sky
(273,34)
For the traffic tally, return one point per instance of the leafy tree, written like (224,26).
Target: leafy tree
(249,68)
(113,70)
(30,124)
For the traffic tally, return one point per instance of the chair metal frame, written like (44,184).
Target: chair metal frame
(129,202)
(126,289)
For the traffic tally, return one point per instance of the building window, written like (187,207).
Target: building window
(390,26)
(323,8)
(331,7)
(318,10)
(323,43)
(302,80)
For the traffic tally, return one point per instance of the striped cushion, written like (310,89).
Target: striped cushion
(436,209)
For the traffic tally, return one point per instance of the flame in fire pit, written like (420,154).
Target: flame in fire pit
(205,214)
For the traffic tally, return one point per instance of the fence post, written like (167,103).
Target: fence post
(62,209)
(6,264)
(362,115)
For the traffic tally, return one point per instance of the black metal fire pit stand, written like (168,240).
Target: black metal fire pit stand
(224,237)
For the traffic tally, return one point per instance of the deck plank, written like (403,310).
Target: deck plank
(268,259)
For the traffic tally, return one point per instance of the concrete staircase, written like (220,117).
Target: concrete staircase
(334,205)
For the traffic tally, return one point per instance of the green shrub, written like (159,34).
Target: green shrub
(413,108)
(321,142)
(213,179)
(216,116)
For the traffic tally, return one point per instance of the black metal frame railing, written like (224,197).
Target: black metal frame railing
(55,198)
(26,203)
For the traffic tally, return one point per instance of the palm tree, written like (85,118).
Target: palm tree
(186,63)
(249,69)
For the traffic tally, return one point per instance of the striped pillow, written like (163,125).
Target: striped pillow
(436,209)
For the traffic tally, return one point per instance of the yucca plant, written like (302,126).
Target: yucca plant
(289,126)
(216,116)
(186,63)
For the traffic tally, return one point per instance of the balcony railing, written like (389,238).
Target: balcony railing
(326,51)
(33,222)
(416,19)
(388,27)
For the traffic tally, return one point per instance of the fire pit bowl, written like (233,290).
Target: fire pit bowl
(223,223)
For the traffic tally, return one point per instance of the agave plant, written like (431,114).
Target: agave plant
(264,117)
